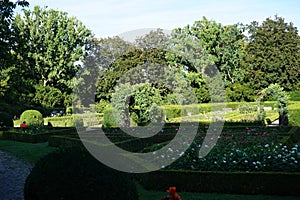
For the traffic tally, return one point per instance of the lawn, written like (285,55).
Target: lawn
(26,151)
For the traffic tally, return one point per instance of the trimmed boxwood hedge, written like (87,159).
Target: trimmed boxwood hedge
(73,173)
(269,183)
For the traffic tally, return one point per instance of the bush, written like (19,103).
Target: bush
(109,119)
(101,105)
(240,92)
(294,95)
(173,111)
(74,174)
(69,110)
(246,108)
(6,120)
(32,118)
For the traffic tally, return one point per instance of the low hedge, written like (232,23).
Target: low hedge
(24,137)
(21,135)
(267,183)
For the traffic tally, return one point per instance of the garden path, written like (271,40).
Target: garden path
(13,173)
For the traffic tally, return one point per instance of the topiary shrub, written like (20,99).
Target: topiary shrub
(32,118)
(6,120)
(74,174)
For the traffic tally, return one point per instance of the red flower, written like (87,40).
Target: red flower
(174,195)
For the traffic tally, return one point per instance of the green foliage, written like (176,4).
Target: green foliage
(246,108)
(101,105)
(223,46)
(78,121)
(277,92)
(65,121)
(219,185)
(156,114)
(173,111)
(238,92)
(8,41)
(145,97)
(126,62)
(108,118)
(48,96)
(127,97)
(4,82)
(27,151)
(6,120)
(294,95)
(62,175)
(32,118)
(273,54)
(294,114)
(155,39)
(52,43)
(69,110)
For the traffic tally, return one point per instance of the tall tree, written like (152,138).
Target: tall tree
(54,46)
(273,54)
(7,42)
(7,37)
(225,46)
(116,57)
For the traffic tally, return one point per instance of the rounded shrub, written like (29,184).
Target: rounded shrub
(6,120)
(32,118)
(74,174)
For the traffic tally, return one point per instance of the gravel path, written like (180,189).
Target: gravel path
(13,173)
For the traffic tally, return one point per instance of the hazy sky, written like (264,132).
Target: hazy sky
(113,17)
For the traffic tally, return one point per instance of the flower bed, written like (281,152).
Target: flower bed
(250,149)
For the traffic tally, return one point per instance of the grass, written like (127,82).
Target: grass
(26,151)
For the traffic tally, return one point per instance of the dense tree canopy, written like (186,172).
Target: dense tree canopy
(273,54)
(225,46)
(54,43)
(7,41)
(43,50)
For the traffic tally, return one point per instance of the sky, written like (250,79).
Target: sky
(107,18)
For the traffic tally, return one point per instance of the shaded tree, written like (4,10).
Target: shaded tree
(8,40)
